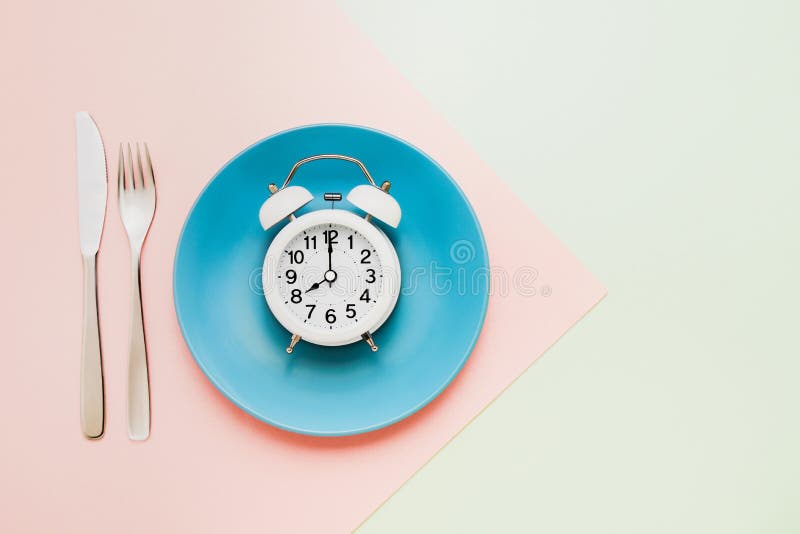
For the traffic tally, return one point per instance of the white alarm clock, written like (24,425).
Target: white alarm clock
(331,277)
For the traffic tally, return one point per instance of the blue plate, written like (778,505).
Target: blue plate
(331,391)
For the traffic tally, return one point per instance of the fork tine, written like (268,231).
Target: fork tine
(129,166)
(150,179)
(121,172)
(139,165)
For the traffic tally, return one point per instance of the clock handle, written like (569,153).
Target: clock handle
(374,200)
(328,156)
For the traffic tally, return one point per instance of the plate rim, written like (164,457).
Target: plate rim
(230,395)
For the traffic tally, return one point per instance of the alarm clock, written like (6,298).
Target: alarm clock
(330,276)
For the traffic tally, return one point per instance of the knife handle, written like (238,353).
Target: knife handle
(92,409)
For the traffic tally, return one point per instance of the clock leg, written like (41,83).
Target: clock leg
(368,338)
(292,343)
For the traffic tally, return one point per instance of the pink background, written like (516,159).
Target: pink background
(199,82)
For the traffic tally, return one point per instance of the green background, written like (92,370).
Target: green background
(661,142)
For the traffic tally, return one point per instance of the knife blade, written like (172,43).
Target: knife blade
(92,193)
(92,182)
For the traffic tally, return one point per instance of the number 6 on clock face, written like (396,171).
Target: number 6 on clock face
(330,277)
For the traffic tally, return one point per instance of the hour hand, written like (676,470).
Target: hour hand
(314,286)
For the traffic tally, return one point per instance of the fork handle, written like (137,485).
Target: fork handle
(138,381)
(92,409)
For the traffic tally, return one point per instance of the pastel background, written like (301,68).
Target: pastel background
(199,83)
(658,140)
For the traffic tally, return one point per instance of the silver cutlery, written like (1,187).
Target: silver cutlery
(92,192)
(137,204)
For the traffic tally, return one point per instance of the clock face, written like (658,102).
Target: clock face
(329,276)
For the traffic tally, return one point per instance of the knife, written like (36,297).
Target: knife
(92,192)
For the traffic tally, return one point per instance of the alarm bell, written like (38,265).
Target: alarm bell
(377,203)
(282,204)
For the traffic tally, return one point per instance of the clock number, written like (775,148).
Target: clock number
(291,276)
(330,236)
(310,240)
(364,296)
(351,311)
(350,238)
(297,297)
(371,278)
(365,254)
(330,316)
(296,256)
(310,309)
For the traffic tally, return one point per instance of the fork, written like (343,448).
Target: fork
(137,204)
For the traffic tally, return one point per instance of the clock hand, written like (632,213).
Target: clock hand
(314,286)
(330,277)
(330,261)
